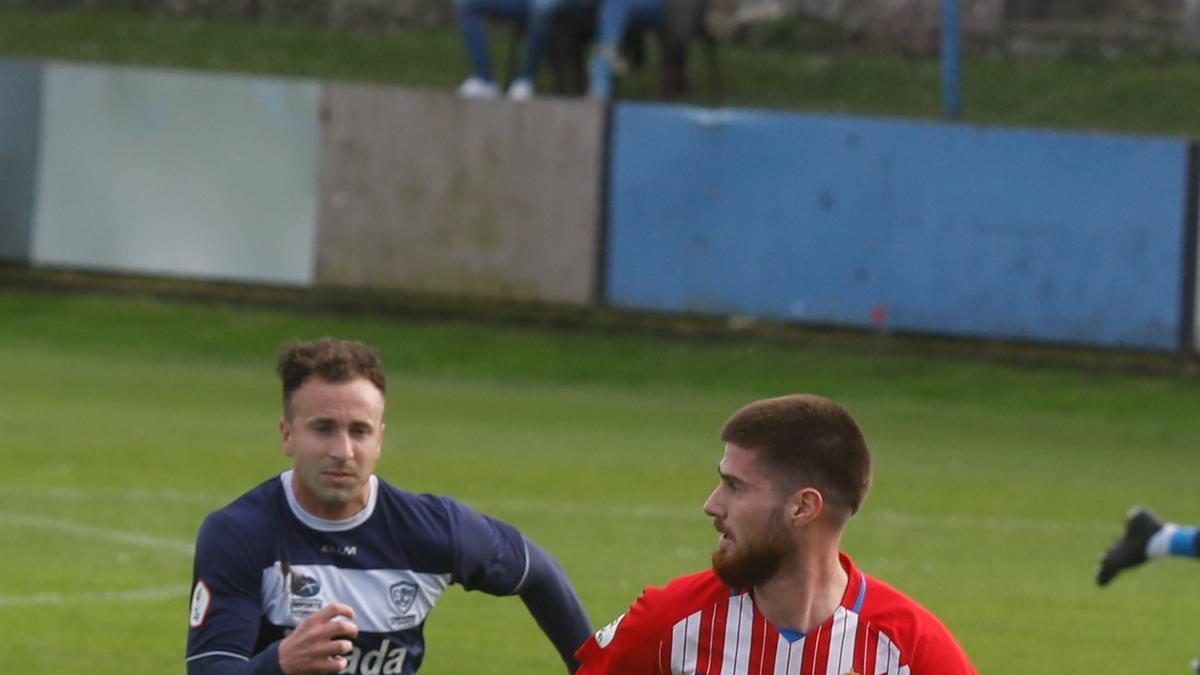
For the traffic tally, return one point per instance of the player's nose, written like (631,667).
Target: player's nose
(712,505)
(341,447)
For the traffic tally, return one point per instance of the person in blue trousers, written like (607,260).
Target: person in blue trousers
(612,19)
(539,16)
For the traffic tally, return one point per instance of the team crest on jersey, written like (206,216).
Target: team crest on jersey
(402,594)
(605,635)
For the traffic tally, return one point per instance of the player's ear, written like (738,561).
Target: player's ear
(805,506)
(285,435)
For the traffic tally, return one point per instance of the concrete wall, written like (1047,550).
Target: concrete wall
(178,174)
(908,226)
(20,121)
(422,191)
(871,223)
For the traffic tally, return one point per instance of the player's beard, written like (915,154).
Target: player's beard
(755,557)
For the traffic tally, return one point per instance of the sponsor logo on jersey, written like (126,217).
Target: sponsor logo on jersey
(402,622)
(383,661)
(605,635)
(200,600)
(302,593)
(334,549)
(305,587)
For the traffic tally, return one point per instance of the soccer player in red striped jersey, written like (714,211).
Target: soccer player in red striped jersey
(781,598)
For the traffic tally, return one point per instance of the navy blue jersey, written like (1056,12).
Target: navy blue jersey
(263,565)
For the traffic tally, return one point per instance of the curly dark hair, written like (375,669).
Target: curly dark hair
(330,359)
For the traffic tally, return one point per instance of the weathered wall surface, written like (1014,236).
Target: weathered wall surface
(423,191)
(179,174)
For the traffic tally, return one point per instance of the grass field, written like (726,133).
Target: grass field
(125,420)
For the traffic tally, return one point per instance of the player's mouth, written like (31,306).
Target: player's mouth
(339,477)
(726,538)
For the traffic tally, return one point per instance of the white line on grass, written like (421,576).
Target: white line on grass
(91,531)
(175,592)
(116,494)
(642,511)
(891,518)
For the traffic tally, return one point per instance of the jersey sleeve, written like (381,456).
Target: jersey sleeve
(224,618)
(489,555)
(630,644)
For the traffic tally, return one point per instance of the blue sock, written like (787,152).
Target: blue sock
(1183,542)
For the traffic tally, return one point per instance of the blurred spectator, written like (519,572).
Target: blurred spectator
(538,17)
(613,18)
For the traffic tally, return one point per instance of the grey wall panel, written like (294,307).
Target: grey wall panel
(422,191)
(178,173)
(20,113)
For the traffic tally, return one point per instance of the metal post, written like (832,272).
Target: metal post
(951,87)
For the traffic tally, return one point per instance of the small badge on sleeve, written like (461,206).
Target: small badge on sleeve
(200,599)
(605,635)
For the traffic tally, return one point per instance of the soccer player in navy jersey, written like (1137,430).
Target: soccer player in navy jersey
(781,598)
(329,569)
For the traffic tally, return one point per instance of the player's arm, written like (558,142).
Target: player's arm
(223,622)
(225,616)
(318,645)
(554,604)
(494,557)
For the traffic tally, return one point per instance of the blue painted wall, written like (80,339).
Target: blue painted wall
(949,229)
(20,122)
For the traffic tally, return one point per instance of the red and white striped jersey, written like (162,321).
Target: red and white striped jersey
(697,625)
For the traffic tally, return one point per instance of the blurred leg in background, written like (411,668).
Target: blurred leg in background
(1146,537)
(613,17)
(538,17)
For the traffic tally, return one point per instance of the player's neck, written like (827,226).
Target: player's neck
(804,594)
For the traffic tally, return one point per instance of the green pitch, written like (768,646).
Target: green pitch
(124,421)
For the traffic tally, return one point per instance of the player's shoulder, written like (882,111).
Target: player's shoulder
(258,507)
(883,599)
(244,528)
(425,516)
(913,628)
(902,616)
(682,596)
(698,584)
(418,507)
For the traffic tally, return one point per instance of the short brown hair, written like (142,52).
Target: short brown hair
(805,440)
(330,359)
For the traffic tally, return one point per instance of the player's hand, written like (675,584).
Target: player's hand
(319,644)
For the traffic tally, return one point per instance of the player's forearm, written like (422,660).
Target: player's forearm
(265,662)
(555,605)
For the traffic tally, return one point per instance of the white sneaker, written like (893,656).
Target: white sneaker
(520,90)
(477,87)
